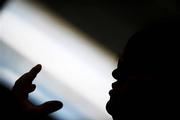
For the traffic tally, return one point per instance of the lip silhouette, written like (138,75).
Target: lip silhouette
(118,88)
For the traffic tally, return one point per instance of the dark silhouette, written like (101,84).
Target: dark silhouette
(147,80)
(2,3)
(14,104)
(147,74)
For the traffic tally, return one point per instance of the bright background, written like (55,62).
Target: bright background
(76,69)
(77,43)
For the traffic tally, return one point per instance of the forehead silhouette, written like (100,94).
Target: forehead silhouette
(155,49)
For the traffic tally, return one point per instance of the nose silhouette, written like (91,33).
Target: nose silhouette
(116,74)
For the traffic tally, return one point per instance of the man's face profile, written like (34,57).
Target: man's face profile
(117,105)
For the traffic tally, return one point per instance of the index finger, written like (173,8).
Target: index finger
(28,77)
(35,70)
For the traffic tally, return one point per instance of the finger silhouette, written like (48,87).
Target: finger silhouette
(49,107)
(24,85)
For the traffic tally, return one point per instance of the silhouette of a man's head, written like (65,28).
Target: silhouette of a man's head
(147,73)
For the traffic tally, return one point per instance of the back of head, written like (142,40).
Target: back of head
(152,55)
(154,51)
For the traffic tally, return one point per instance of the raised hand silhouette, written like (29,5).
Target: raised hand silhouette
(16,105)
(23,86)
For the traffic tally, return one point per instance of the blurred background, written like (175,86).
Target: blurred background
(78,44)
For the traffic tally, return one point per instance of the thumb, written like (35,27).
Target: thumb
(49,107)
